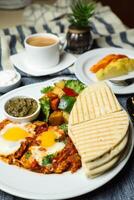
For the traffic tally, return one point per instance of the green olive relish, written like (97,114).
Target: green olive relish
(21,106)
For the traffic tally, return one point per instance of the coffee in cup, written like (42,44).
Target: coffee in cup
(40,41)
(42,50)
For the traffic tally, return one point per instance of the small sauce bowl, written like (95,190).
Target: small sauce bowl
(27,118)
(12,85)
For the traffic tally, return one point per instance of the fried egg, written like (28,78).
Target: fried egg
(48,145)
(11,137)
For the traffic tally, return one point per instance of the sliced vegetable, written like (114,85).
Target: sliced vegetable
(76,85)
(47,89)
(51,95)
(54,103)
(66,103)
(58,91)
(70,92)
(47,159)
(64,127)
(45,107)
(60,84)
(56,118)
(65,116)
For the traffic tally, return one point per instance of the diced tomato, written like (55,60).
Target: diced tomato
(70,92)
(51,95)
(54,104)
(34,164)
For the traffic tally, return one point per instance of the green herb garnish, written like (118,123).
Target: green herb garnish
(47,159)
(47,89)
(64,127)
(28,154)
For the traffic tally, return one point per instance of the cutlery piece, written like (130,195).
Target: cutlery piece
(122,82)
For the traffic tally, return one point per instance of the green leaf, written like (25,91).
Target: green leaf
(64,127)
(45,107)
(27,155)
(82,11)
(76,85)
(47,159)
(47,89)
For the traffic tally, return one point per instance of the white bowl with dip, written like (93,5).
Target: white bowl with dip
(27,118)
(9,80)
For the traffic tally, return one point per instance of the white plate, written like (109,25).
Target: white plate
(86,60)
(26,184)
(21,62)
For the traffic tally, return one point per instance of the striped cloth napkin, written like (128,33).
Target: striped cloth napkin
(107,31)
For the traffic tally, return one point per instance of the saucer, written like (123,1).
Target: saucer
(20,61)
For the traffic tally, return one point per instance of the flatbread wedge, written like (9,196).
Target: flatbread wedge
(95,101)
(101,169)
(96,137)
(108,156)
(98,127)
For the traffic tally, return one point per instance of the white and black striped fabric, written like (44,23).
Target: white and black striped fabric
(107,31)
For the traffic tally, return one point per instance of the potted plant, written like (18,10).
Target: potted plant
(79,37)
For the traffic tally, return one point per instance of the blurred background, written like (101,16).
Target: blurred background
(124,9)
(11,12)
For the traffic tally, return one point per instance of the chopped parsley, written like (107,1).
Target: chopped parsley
(27,155)
(47,159)
(64,127)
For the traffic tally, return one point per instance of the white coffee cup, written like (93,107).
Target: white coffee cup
(42,57)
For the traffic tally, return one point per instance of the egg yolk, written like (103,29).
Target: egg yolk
(48,138)
(15,134)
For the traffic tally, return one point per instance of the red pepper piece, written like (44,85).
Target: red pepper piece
(70,92)
(54,103)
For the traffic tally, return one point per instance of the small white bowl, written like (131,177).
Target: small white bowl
(23,119)
(7,88)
